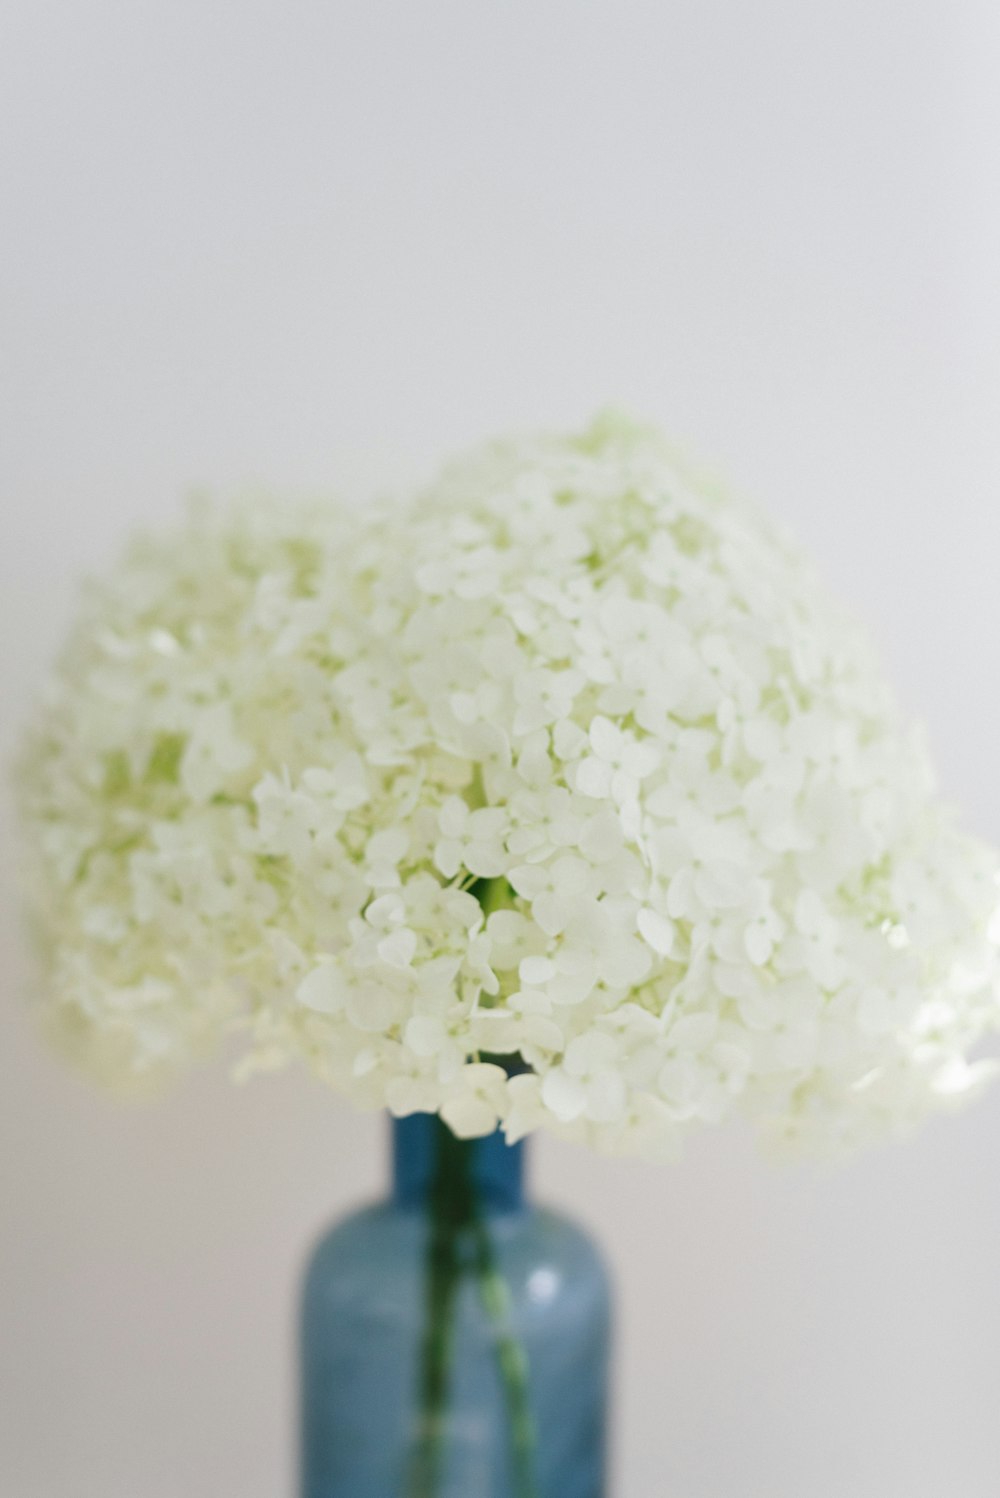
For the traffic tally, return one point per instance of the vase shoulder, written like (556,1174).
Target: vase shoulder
(373,1261)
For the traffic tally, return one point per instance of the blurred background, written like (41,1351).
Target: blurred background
(317,246)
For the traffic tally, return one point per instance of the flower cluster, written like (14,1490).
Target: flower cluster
(569,759)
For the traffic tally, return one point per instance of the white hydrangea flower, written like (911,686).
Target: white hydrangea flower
(568,761)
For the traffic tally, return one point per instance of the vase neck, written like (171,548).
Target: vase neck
(421,1142)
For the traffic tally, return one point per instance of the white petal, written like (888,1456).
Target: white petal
(565,1096)
(323,990)
(399,948)
(657,931)
(593,777)
(425,1035)
(469,1117)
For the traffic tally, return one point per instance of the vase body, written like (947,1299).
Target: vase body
(388,1358)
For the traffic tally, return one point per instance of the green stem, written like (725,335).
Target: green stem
(448,1213)
(455,1216)
(511,1362)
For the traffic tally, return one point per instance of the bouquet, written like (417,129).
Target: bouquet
(560,796)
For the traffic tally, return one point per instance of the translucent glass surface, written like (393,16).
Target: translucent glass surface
(364,1326)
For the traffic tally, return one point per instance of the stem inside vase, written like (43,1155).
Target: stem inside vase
(459,1243)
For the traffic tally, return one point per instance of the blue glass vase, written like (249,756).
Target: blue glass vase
(454,1337)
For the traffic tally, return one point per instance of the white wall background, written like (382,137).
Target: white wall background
(318,243)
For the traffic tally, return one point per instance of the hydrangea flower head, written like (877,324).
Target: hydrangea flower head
(569,760)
